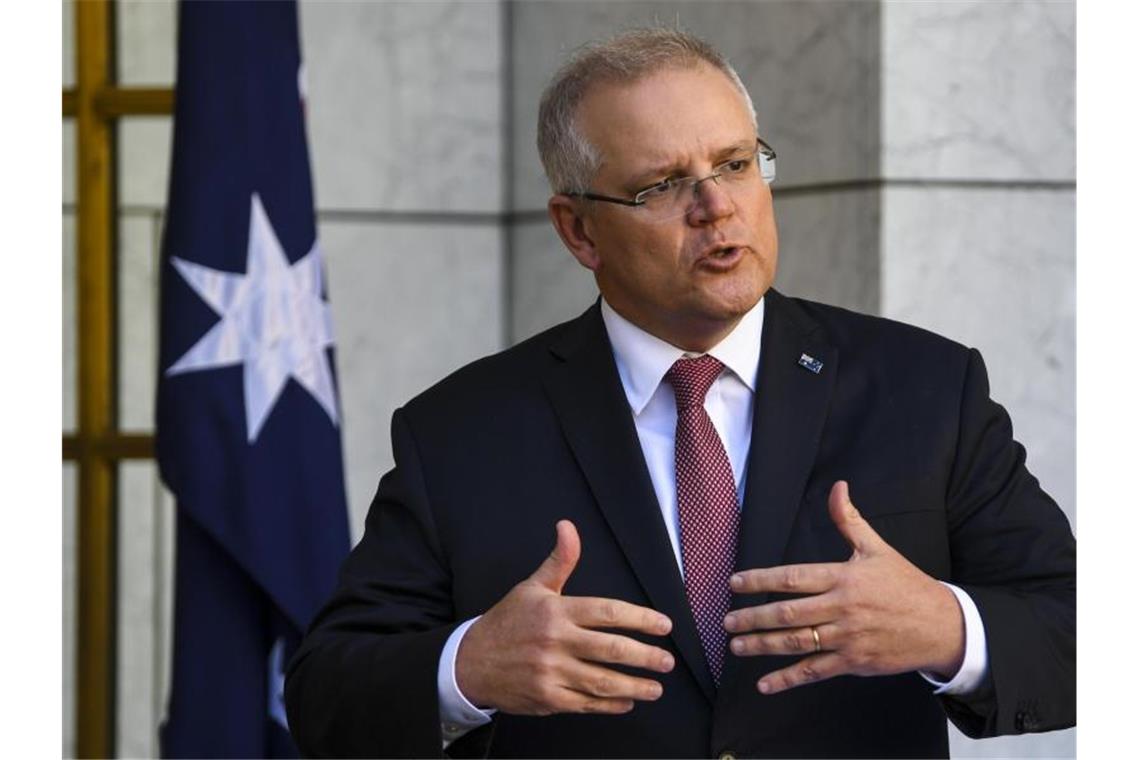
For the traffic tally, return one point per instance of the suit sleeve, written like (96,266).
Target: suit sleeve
(363,682)
(1013,552)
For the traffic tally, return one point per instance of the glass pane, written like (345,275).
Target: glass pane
(147,34)
(139,235)
(68,44)
(69,556)
(69,163)
(145,536)
(143,160)
(69,307)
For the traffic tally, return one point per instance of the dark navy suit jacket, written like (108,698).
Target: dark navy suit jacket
(491,457)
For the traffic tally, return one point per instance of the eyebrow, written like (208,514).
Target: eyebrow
(666,169)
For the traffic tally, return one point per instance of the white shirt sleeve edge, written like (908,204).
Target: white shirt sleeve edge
(975,663)
(457,715)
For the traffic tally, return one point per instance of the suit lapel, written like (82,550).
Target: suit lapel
(586,393)
(789,411)
(788,414)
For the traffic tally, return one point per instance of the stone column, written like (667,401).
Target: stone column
(978,220)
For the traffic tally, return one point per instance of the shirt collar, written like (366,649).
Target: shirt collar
(643,359)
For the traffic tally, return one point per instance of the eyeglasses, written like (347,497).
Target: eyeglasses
(672,198)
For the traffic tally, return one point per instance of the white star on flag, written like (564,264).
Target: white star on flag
(274,321)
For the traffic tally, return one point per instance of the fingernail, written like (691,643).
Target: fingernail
(666,662)
(738,646)
(736,581)
(664,625)
(730,621)
(654,691)
(765,687)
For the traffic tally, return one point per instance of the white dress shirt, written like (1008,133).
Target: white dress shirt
(642,361)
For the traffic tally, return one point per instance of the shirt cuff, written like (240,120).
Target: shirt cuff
(975,663)
(457,715)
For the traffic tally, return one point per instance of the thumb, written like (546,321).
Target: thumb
(556,569)
(857,531)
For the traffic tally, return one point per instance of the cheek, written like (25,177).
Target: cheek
(645,257)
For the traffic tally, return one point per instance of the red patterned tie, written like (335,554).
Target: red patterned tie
(706,503)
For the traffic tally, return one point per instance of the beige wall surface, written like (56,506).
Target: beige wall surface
(926,173)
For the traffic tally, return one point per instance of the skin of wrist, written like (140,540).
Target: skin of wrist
(950,663)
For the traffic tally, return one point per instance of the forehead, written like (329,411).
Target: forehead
(676,114)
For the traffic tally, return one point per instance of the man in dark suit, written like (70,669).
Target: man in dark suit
(695,444)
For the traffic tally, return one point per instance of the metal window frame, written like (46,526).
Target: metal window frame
(97,446)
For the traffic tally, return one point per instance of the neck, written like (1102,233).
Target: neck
(689,337)
(695,335)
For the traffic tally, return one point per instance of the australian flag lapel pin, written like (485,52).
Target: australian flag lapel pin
(810,363)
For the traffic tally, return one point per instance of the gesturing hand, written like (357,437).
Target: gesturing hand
(534,652)
(876,614)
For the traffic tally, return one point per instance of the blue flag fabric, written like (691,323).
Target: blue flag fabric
(248,417)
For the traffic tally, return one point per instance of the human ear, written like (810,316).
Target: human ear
(570,223)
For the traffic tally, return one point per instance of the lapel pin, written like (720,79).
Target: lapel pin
(810,363)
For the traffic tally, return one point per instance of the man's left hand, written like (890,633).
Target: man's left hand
(876,614)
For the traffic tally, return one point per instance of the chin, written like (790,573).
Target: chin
(735,300)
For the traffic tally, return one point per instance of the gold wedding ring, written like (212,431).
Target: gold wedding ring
(815,636)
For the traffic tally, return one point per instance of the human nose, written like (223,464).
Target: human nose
(711,200)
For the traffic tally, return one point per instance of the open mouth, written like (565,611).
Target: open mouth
(722,258)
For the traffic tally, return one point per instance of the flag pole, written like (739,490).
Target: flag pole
(95,698)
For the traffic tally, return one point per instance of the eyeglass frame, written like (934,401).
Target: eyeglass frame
(761,148)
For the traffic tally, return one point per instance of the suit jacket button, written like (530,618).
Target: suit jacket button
(727,755)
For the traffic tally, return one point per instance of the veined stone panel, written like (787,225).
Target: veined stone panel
(979,89)
(404,104)
(147,32)
(811,67)
(548,285)
(411,304)
(829,247)
(995,269)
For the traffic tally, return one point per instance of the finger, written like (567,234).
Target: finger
(857,531)
(789,613)
(792,641)
(812,578)
(621,650)
(599,612)
(575,701)
(556,569)
(812,669)
(596,681)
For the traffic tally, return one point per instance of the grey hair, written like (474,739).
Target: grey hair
(570,161)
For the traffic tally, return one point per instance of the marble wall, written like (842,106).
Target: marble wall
(926,173)
(978,220)
(405,111)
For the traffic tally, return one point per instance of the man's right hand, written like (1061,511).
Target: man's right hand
(536,652)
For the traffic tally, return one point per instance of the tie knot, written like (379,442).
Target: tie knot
(691,379)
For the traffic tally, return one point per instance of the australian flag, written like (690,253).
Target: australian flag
(248,418)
